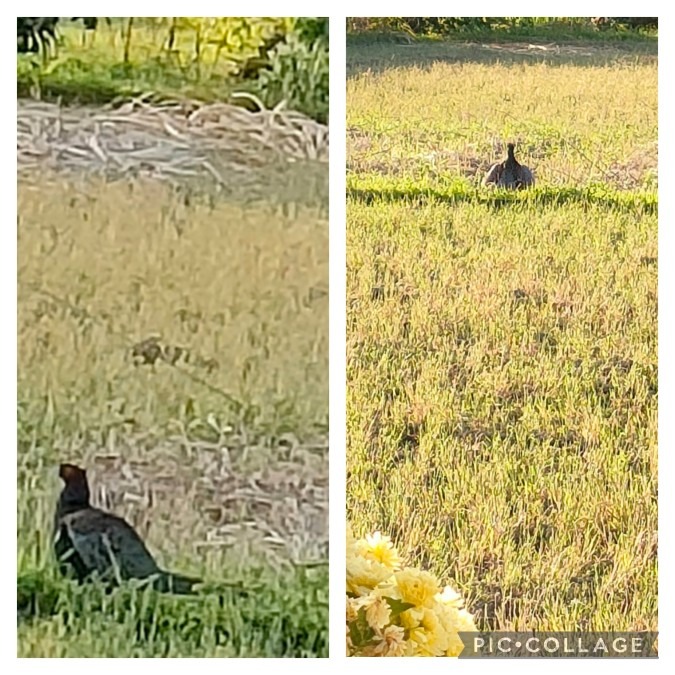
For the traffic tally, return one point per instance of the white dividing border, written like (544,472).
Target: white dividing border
(338,11)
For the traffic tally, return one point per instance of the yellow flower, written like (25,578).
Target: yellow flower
(411,618)
(417,641)
(465,621)
(431,623)
(430,627)
(352,609)
(450,596)
(378,613)
(390,643)
(436,639)
(454,621)
(379,548)
(363,575)
(417,587)
(376,608)
(455,645)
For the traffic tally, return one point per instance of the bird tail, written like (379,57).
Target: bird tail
(167,582)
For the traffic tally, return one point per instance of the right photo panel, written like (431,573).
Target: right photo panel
(502,367)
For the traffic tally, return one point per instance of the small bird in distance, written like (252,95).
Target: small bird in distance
(509,173)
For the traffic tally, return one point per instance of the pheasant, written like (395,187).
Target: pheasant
(509,173)
(88,540)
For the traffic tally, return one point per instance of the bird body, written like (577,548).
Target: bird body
(88,540)
(510,173)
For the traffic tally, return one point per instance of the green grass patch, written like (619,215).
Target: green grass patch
(373,189)
(282,613)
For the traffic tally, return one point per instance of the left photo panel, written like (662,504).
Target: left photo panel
(172,234)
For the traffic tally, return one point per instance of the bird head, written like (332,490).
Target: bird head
(511,148)
(76,490)
(71,473)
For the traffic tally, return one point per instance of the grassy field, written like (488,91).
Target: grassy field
(216,449)
(502,347)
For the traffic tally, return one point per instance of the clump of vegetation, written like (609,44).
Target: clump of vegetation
(298,67)
(394,610)
(276,59)
(503,27)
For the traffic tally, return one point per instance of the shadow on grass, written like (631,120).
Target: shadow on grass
(497,199)
(73,81)
(379,54)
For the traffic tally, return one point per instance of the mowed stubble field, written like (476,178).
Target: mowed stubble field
(502,348)
(217,455)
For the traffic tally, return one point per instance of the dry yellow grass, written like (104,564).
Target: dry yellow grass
(103,266)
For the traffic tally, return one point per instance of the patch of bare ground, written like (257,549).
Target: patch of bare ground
(640,167)
(435,160)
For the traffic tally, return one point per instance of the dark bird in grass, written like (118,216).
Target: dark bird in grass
(89,541)
(510,173)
